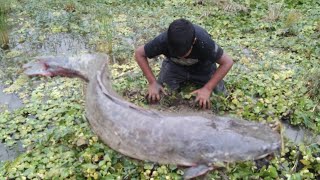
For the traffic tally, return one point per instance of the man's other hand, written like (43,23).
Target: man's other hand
(203,97)
(154,91)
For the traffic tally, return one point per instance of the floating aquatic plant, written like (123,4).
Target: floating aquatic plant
(268,82)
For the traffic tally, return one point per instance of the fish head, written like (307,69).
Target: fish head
(45,66)
(239,140)
(83,66)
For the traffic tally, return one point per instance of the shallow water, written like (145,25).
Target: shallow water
(7,154)
(64,43)
(9,102)
(300,135)
(54,44)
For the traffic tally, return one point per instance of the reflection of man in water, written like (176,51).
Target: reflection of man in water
(191,56)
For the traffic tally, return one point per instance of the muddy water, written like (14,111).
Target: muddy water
(51,44)
(7,154)
(300,135)
(54,44)
(66,44)
(9,102)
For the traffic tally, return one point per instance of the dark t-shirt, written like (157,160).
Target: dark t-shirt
(204,51)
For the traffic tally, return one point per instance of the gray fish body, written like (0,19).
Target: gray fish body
(148,135)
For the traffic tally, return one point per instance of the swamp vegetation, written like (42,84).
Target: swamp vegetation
(275,78)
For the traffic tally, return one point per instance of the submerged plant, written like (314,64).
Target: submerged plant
(292,18)
(106,35)
(70,6)
(4,6)
(229,5)
(232,6)
(275,10)
(291,21)
(4,37)
(318,26)
(314,84)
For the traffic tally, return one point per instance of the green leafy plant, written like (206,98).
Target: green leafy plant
(313,83)
(291,21)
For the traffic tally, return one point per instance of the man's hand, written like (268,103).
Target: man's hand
(154,88)
(203,94)
(154,92)
(203,97)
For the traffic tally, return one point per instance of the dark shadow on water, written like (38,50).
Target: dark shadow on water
(7,154)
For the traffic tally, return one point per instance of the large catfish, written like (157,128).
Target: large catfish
(193,141)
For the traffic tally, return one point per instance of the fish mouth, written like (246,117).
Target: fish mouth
(48,67)
(36,69)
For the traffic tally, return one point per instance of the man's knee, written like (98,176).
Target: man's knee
(221,89)
(171,75)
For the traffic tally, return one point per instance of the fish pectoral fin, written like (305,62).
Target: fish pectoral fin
(196,171)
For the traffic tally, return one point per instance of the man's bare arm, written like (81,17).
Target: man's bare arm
(225,63)
(144,64)
(203,94)
(154,88)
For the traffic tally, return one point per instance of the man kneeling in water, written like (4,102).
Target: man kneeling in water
(191,57)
